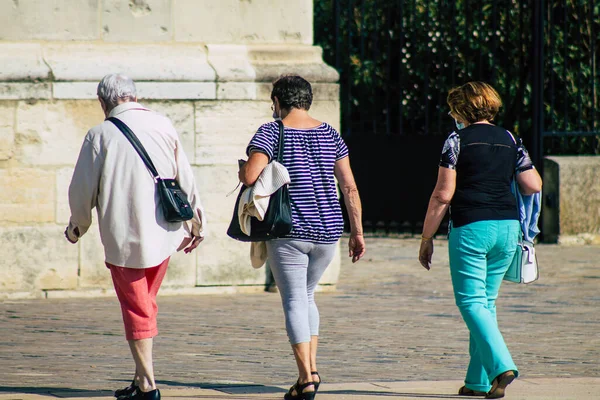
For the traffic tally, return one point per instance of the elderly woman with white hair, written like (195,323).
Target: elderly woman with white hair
(138,240)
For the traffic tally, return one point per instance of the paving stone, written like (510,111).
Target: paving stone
(389,321)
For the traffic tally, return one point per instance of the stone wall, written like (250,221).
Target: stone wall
(206,64)
(159,21)
(571,208)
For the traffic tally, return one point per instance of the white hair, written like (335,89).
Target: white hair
(114,87)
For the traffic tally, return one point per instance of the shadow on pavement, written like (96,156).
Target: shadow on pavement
(391,394)
(56,391)
(228,388)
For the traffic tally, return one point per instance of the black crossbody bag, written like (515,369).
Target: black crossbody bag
(278,218)
(173,200)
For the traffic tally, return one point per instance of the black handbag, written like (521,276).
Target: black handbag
(278,218)
(173,200)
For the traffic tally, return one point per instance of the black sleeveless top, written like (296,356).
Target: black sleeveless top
(486,158)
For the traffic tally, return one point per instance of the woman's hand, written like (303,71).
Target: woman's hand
(425,253)
(188,244)
(356,246)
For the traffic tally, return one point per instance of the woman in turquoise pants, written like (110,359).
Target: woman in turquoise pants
(478,163)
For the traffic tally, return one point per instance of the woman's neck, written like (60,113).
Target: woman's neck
(298,118)
(485,121)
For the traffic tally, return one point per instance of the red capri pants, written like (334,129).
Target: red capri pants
(136,289)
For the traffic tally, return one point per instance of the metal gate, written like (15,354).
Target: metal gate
(398,58)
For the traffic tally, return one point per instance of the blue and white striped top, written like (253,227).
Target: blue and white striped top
(309,155)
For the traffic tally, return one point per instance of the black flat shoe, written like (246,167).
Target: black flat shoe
(317,384)
(126,391)
(139,395)
(300,394)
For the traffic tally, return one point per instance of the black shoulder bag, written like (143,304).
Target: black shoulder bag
(173,200)
(278,218)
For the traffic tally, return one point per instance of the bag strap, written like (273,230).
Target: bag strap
(280,150)
(137,145)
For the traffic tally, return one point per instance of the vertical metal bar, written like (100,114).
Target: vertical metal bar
(552,72)
(363,31)
(492,50)
(439,75)
(427,70)
(593,62)
(338,35)
(508,64)
(375,96)
(467,38)
(453,36)
(388,70)
(565,64)
(480,41)
(522,52)
(413,28)
(349,70)
(538,83)
(579,84)
(401,67)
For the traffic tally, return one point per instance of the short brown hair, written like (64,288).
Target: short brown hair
(474,102)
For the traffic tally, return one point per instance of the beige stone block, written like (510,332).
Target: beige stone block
(236,91)
(270,62)
(177,90)
(223,129)
(25,91)
(92,269)
(327,111)
(63,180)
(321,91)
(182,271)
(51,133)
(578,193)
(36,258)
(75,90)
(215,183)
(136,20)
(224,261)
(234,21)
(332,273)
(231,62)
(20,61)
(7,130)
(181,113)
(27,195)
(49,20)
(142,62)
(326,91)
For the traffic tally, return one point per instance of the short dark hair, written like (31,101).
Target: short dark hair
(292,91)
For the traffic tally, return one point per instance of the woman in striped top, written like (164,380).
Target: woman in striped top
(314,154)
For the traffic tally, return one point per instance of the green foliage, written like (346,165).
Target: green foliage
(399,58)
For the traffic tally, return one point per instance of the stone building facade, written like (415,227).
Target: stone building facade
(207,64)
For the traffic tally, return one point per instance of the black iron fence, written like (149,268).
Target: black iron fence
(398,59)
(570,76)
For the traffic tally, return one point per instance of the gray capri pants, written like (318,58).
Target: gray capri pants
(297,267)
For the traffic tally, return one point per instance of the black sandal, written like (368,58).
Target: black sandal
(300,394)
(317,384)
(126,391)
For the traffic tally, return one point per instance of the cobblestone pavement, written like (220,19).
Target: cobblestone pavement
(390,320)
